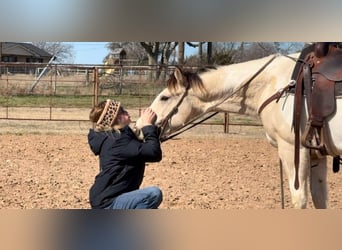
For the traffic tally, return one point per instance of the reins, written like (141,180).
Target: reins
(184,128)
(173,111)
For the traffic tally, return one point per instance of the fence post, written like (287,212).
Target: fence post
(96,87)
(226,123)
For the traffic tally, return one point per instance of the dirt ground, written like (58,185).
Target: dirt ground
(199,170)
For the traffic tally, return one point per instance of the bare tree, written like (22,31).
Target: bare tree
(290,47)
(133,49)
(63,52)
(224,52)
(153,51)
(181,50)
(158,50)
(209,52)
(249,51)
(181,53)
(200,52)
(167,49)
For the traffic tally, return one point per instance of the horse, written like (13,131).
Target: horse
(242,88)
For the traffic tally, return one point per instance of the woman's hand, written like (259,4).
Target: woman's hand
(148,117)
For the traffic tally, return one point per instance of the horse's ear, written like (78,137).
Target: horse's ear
(179,75)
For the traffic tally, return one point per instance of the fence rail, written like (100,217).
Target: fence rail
(66,92)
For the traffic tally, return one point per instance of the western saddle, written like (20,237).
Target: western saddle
(317,72)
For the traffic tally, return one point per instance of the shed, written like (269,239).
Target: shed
(119,53)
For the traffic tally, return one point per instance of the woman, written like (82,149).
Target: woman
(122,158)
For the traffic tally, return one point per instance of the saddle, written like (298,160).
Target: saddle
(317,77)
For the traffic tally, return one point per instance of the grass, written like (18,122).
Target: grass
(46,101)
(72,101)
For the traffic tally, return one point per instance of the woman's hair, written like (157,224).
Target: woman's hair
(105,115)
(96,111)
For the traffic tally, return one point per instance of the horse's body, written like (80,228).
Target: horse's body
(219,94)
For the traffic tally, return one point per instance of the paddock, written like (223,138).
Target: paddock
(201,169)
(46,161)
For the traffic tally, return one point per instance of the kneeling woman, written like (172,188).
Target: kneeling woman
(122,158)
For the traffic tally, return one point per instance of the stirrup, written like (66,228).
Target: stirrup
(312,137)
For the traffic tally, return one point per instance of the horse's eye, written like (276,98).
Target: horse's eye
(164,98)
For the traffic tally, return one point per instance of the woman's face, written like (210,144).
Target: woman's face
(123,117)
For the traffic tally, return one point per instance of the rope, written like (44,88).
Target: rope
(281,184)
(184,128)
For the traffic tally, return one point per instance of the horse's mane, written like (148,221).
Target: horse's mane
(193,80)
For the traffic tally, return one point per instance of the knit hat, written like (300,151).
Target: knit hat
(109,113)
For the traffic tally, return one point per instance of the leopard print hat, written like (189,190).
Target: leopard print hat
(109,113)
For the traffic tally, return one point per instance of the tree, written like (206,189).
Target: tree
(62,51)
(249,51)
(200,52)
(209,52)
(180,53)
(167,49)
(181,49)
(224,52)
(156,51)
(133,50)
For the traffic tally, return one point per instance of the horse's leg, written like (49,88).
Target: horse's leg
(318,182)
(286,154)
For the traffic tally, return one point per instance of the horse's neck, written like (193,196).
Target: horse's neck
(224,82)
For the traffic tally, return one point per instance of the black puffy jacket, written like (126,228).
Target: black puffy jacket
(122,162)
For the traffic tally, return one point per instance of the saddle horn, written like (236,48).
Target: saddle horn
(321,49)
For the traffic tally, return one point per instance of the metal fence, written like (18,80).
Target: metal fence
(62,92)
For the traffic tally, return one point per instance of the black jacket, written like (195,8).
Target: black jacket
(122,162)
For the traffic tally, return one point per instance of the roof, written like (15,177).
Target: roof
(119,51)
(23,49)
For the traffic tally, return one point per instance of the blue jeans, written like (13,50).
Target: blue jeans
(145,198)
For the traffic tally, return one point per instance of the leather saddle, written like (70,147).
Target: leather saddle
(317,76)
(317,73)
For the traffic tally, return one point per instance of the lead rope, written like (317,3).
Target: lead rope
(281,184)
(184,128)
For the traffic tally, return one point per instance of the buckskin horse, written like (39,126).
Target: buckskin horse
(295,97)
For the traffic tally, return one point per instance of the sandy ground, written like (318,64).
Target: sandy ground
(204,169)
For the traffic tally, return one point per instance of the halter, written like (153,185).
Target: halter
(173,111)
(168,118)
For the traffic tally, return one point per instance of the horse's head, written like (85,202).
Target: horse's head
(179,102)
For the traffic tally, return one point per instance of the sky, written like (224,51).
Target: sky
(89,52)
(95,52)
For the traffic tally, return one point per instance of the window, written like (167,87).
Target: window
(34,60)
(9,59)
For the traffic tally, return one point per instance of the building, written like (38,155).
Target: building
(23,52)
(13,52)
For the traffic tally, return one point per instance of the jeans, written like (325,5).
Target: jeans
(145,198)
